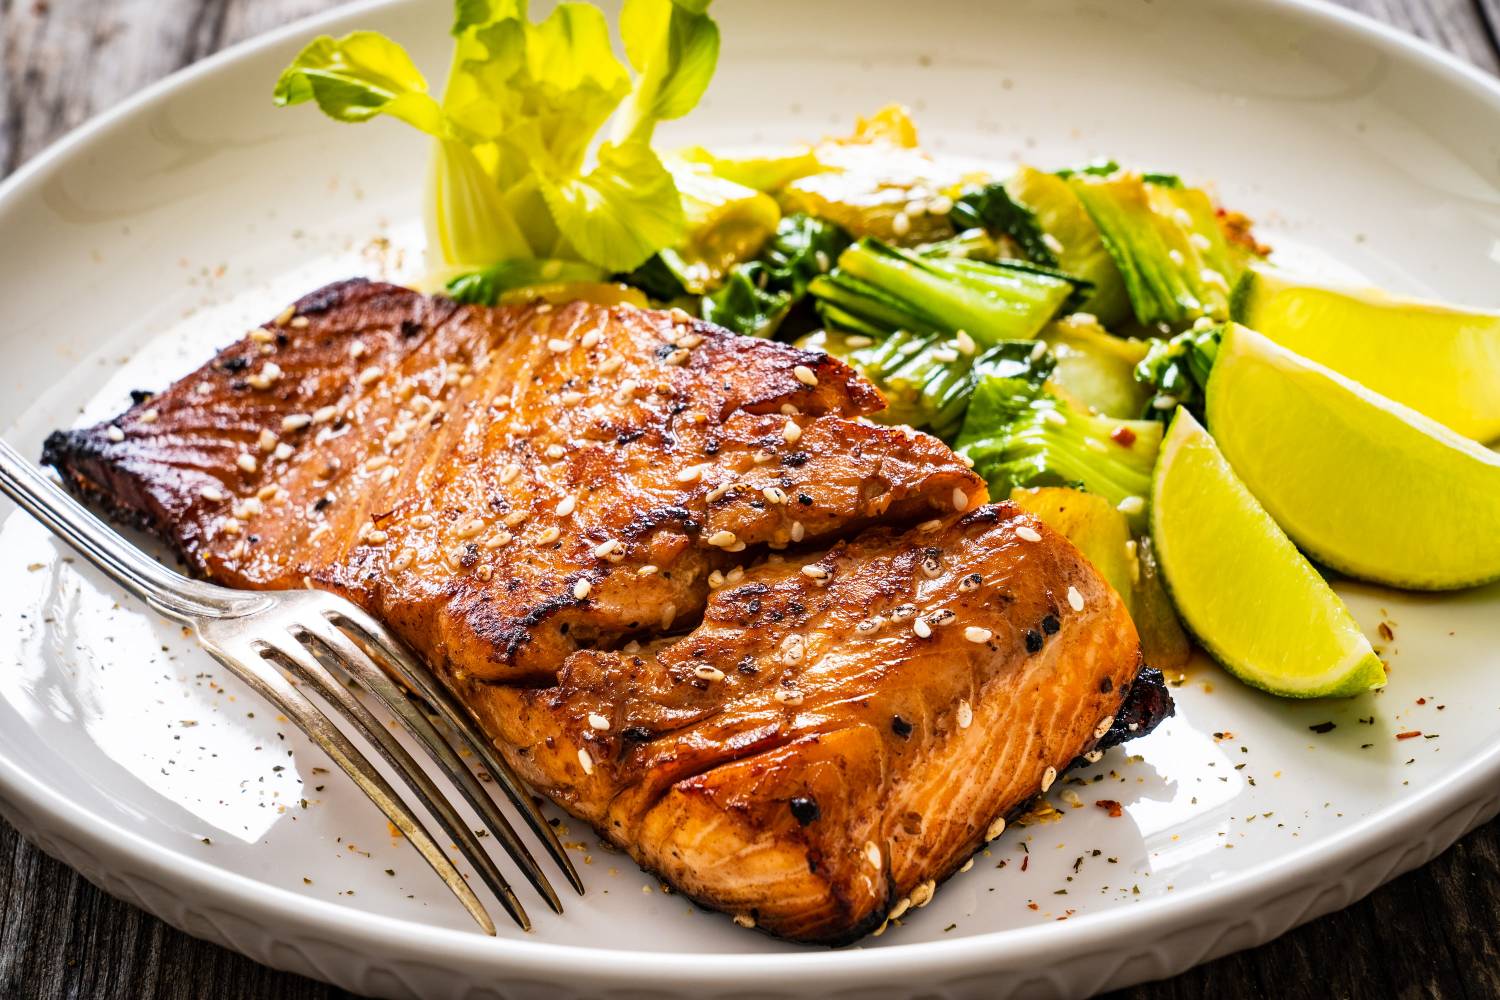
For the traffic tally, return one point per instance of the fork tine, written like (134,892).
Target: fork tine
(271,685)
(359,664)
(409,672)
(305,665)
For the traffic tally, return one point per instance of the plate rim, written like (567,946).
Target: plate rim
(1145,922)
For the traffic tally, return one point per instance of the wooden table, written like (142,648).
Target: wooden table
(1431,933)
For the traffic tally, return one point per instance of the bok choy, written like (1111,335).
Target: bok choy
(516,173)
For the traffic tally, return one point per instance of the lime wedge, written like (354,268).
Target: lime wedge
(1251,599)
(1363,484)
(1439,360)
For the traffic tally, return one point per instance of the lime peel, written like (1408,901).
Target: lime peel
(1254,602)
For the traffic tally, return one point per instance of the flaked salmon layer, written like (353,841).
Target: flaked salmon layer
(783,656)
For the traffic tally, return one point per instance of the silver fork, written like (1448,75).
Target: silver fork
(309,634)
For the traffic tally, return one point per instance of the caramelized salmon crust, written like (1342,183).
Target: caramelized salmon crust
(789,659)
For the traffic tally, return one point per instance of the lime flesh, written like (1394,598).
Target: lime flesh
(1252,600)
(1439,360)
(1363,484)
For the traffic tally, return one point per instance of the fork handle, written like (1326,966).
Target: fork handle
(172,594)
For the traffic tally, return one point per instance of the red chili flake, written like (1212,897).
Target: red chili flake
(1421,701)
(1112,807)
(1122,436)
(1032,906)
(1385,631)
(1025,862)
(1410,734)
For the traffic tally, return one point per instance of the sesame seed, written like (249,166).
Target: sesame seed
(902,905)
(498,539)
(590,340)
(718,491)
(369,375)
(484,573)
(691,474)
(668,615)
(941,617)
(790,432)
(376,463)
(555,451)
(922,894)
(230,526)
(744,920)
(266,441)
(358,350)
(793,648)
(469,528)
(514,518)
(704,672)
(300,323)
(805,376)
(295,422)
(565,506)
(922,629)
(246,462)
(774,494)
(549,535)
(975,633)
(965,714)
(605,548)
(377,538)
(902,613)
(1028,533)
(815,572)
(789,696)
(266,377)
(285,316)
(1131,506)
(558,346)
(1075,599)
(1103,726)
(970,583)
(900,224)
(610,365)
(872,854)
(798,532)
(509,473)
(946,355)
(941,205)
(869,625)
(722,539)
(1039,350)
(1048,777)
(996,829)
(211,494)
(403,560)
(114,433)
(859,341)
(150,416)
(715,580)
(585,761)
(599,722)
(960,499)
(581,589)
(261,336)
(964,343)
(324,414)
(932,567)
(678,357)
(646,570)
(571,398)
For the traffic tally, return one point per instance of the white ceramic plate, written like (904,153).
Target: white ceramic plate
(160,232)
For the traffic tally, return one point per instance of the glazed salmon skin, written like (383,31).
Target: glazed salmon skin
(789,659)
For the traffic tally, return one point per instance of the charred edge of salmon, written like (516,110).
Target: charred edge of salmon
(1147,704)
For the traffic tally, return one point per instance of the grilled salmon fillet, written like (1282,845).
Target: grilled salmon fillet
(787,658)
